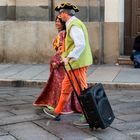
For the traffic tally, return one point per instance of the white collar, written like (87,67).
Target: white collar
(69,21)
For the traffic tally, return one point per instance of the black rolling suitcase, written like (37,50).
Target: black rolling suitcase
(94,104)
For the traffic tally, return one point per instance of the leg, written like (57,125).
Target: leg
(65,93)
(67,89)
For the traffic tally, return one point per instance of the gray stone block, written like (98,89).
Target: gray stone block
(19,118)
(64,130)
(127,126)
(7,137)
(29,131)
(5,114)
(3,132)
(109,134)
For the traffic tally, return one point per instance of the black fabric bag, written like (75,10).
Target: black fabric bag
(94,104)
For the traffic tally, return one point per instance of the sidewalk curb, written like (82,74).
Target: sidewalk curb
(127,86)
(40,84)
(22,83)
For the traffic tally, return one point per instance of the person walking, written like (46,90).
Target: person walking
(77,52)
(51,92)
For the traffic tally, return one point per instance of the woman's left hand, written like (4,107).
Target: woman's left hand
(54,65)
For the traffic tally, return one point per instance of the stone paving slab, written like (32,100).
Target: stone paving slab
(43,76)
(18,117)
(29,73)
(3,132)
(29,131)
(64,130)
(104,74)
(135,110)
(130,99)
(24,111)
(129,117)
(126,74)
(13,70)
(131,126)
(109,134)
(7,137)
(126,106)
(5,114)
(133,133)
(5,66)
(12,103)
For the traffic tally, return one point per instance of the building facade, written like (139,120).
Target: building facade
(27,29)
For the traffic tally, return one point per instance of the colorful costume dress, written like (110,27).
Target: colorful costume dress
(52,90)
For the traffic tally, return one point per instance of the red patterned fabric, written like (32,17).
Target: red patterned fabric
(51,92)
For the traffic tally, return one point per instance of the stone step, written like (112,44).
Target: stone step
(124,60)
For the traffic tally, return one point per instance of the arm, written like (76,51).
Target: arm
(78,37)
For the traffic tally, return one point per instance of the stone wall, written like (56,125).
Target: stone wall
(27,29)
(31,42)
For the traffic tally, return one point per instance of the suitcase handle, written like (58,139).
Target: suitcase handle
(71,80)
(75,89)
(75,77)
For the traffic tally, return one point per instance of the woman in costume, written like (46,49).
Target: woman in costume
(51,92)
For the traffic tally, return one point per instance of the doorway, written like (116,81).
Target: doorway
(132,24)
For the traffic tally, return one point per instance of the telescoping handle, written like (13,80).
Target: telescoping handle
(75,89)
(71,80)
(75,77)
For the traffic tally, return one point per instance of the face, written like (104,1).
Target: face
(63,16)
(58,24)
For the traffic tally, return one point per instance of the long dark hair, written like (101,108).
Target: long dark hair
(62,22)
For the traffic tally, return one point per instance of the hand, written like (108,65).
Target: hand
(65,60)
(54,65)
(59,51)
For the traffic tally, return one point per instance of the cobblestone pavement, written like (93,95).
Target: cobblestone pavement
(20,120)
